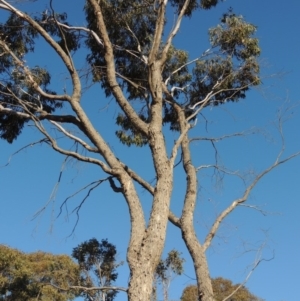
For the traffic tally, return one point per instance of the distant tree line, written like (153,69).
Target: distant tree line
(90,273)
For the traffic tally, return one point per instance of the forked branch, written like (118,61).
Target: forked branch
(241,200)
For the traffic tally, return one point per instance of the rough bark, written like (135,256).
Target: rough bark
(146,244)
(196,250)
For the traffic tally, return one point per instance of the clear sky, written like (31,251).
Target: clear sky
(29,181)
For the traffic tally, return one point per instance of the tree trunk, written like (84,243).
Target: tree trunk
(143,259)
(196,250)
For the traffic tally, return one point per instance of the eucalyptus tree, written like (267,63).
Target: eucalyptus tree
(154,86)
(166,270)
(97,266)
(223,289)
(36,276)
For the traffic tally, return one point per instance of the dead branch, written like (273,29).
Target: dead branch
(23,148)
(88,289)
(241,200)
(217,139)
(77,209)
(64,203)
(258,260)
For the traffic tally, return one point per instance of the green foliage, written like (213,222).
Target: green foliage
(165,272)
(173,264)
(27,277)
(16,91)
(129,135)
(222,288)
(193,5)
(38,275)
(129,24)
(97,263)
(225,72)
(234,66)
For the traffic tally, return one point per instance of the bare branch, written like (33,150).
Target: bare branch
(64,203)
(83,143)
(143,57)
(25,147)
(178,143)
(257,262)
(61,118)
(221,169)
(79,28)
(113,186)
(138,179)
(88,289)
(159,26)
(54,190)
(77,209)
(204,102)
(241,200)
(263,212)
(179,68)
(174,31)
(172,218)
(217,139)
(22,115)
(73,154)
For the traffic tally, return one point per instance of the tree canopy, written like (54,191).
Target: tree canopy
(97,264)
(223,73)
(45,276)
(33,276)
(223,289)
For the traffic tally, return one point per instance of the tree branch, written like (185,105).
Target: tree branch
(76,95)
(88,289)
(75,155)
(80,141)
(174,32)
(172,218)
(111,73)
(159,26)
(241,200)
(178,143)
(30,77)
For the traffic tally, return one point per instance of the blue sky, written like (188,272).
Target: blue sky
(28,181)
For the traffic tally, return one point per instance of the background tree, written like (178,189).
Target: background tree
(33,276)
(155,87)
(97,264)
(223,289)
(165,272)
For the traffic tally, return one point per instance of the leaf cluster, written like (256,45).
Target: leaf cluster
(16,90)
(27,277)
(173,264)
(194,5)
(130,26)
(97,263)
